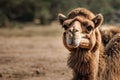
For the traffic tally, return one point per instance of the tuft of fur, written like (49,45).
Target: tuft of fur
(80,12)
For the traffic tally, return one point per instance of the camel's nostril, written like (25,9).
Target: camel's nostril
(70,31)
(75,30)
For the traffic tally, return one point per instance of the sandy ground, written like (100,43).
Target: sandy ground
(41,57)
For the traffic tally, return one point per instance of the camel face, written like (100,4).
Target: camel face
(80,28)
(78,31)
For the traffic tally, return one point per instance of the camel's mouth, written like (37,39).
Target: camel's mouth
(78,42)
(84,43)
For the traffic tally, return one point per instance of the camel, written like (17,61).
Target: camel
(89,58)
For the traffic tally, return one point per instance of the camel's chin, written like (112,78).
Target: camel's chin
(73,46)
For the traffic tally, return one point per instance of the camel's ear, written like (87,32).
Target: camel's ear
(61,18)
(98,20)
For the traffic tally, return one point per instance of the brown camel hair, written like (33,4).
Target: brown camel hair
(90,60)
(108,33)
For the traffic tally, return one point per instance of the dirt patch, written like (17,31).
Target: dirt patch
(34,58)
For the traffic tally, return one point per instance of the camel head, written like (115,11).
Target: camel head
(80,28)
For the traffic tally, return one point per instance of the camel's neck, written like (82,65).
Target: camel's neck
(84,64)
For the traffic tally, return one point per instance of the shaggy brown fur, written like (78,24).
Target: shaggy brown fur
(107,33)
(96,63)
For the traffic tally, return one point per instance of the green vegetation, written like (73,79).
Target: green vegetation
(45,11)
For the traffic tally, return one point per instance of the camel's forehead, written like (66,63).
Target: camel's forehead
(78,18)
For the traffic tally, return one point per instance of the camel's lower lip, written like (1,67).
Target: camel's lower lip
(84,43)
(73,45)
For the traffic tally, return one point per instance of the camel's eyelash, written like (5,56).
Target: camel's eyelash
(89,28)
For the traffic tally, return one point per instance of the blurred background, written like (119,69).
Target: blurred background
(45,11)
(31,45)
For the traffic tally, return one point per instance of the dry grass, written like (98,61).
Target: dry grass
(29,30)
(33,53)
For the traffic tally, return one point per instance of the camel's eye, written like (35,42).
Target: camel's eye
(89,28)
(65,27)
